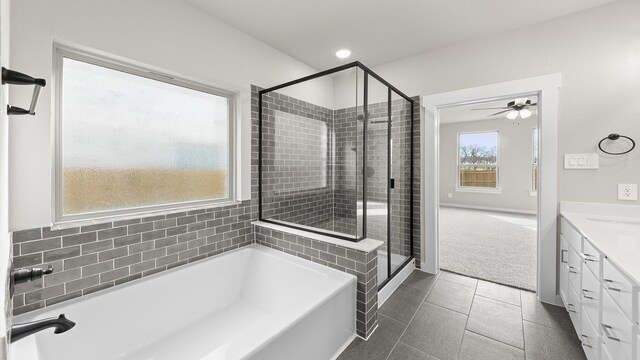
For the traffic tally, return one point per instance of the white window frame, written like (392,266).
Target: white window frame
(459,187)
(59,220)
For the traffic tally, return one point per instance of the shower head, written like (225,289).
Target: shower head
(360,117)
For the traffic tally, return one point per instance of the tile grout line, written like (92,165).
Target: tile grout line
(467,322)
(414,315)
(497,340)
(500,301)
(524,339)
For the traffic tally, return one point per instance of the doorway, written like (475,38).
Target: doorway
(488,155)
(546,88)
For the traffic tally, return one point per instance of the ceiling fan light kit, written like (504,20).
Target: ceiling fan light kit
(516,109)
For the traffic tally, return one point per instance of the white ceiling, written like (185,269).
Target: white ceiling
(465,113)
(379,31)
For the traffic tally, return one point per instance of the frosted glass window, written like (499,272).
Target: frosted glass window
(130,142)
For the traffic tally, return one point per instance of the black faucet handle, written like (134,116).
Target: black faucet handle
(23,275)
(48,271)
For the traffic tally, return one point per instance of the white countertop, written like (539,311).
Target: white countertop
(612,229)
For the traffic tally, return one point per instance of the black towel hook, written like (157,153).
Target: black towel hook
(17,78)
(614,137)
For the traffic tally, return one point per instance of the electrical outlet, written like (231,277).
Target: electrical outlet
(449,195)
(628,192)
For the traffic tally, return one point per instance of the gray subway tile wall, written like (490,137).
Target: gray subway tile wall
(296,161)
(91,258)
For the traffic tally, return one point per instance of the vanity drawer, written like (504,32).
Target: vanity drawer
(573,307)
(590,296)
(590,339)
(619,288)
(592,258)
(575,265)
(571,234)
(617,331)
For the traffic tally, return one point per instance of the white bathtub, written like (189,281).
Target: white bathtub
(250,303)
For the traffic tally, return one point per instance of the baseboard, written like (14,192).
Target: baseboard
(343,347)
(428,269)
(370,334)
(394,283)
(489,208)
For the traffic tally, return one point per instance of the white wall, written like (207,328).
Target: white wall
(165,34)
(5,242)
(514,154)
(598,54)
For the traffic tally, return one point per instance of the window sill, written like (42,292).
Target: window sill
(479,190)
(66,224)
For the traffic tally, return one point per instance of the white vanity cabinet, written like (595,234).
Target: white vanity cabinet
(602,300)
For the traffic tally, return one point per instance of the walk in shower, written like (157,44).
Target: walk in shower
(335,158)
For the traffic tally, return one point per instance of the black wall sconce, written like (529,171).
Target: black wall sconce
(17,78)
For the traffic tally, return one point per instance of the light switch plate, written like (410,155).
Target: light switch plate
(581,161)
(628,192)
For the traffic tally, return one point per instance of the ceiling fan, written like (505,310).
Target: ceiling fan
(514,109)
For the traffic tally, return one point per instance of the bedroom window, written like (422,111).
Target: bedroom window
(478,166)
(129,140)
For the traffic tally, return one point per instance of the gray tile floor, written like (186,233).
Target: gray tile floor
(449,316)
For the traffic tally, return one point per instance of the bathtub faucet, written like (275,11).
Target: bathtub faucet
(61,324)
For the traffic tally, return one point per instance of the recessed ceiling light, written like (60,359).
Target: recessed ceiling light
(343,53)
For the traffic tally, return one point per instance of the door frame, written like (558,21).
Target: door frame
(546,88)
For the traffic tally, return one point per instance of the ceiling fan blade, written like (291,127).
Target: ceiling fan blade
(534,104)
(499,108)
(500,112)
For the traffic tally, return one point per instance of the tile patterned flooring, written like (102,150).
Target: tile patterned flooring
(449,316)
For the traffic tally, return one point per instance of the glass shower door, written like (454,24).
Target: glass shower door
(377,170)
(400,182)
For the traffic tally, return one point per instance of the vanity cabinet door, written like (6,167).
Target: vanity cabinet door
(590,339)
(620,289)
(591,293)
(571,234)
(617,332)
(574,309)
(575,267)
(564,269)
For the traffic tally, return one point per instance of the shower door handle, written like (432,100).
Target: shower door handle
(392,183)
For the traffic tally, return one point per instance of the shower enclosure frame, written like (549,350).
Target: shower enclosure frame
(390,89)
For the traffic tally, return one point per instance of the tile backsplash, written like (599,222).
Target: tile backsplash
(95,257)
